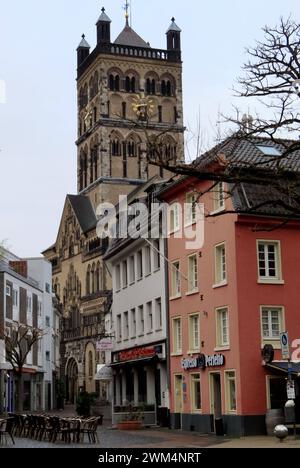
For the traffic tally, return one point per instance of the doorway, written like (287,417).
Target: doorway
(215,398)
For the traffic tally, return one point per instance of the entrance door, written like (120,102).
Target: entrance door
(215,398)
(178,400)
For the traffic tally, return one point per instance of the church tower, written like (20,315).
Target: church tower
(111,148)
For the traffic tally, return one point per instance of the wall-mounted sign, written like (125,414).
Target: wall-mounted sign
(141,352)
(285,346)
(106,344)
(202,361)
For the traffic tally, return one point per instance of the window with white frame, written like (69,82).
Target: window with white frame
(230,391)
(175,279)
(119,327)
(219,197)
(271,322)
(124,274)
(126,326)
(141,320)
(131,270)
(47,321)
(133,323)
(158,314)
(193,273)
(147,260)
(222,323)
(15,297)
(8,290)
(195,393)
(174,217)
(140,264)
(220,264)
(149,317)
(194,332)
(156,254)
(269,260)
(118,277)
(190,208)
(177,335)
(29,304)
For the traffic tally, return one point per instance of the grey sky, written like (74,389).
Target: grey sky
(38,63)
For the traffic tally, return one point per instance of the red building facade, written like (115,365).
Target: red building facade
(230,299)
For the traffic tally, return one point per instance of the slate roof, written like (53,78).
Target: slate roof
(84,211)
(103,17)
(173,26)
(84,44)
(130,38)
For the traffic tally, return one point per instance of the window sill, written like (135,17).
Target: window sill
(196,411)
(156,270)
(179,353)
(173,298)
(190,223)
(149,332)
(222,348)
(191,293)
(219,210)
(147,274)
(220,285)
(141,335)
(158,330)
(132,283)
(274,343)
(194,351)
(270,281)
(174,231)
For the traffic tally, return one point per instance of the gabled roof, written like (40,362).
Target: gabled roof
(130,38)
(84,211)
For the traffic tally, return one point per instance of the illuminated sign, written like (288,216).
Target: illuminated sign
(143,352)
(202,361)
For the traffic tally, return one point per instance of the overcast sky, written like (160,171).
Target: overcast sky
(38,41)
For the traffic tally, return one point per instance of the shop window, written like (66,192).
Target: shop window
(230,391)
(195,393)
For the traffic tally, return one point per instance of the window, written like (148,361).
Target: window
(47,321)
(149,317)
(177,336)
(268,150)
(175,279)
(133,323)
(90,364)
(47,356)
(118,278)
(119,327)
(8,290)
(269,260)
(29,304)
(230,391)
(156,254)
(48,288)
(147,260)
(195,393)
(219,197)
(190,208)
(124,274)
(194,332)
(271,322)
(222,327)
(131,270)
(141,320)
(220,264)
(159,114)
(140,265)
(158,314)
(124,110)
(15,297)
(174,217)
(39,308)
(126,326)
(193,273)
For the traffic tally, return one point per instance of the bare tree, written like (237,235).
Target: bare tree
(19,342)
(271,76)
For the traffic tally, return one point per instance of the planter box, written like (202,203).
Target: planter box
(129,425)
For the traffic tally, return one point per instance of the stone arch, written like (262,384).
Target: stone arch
(90,367)
(132,81)
(115,78)
(168,84)
(71,373)
(151,82)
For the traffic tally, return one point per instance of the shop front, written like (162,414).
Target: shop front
(140,384)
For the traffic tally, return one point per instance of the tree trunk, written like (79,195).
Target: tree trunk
(19,392)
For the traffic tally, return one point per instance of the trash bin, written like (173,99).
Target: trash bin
(219,427)
(289,412)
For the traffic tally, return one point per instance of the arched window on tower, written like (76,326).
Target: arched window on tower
(127,84)
(132,85)
(115,147)
(93,278)
(98,277)
(91,365)
(88,281)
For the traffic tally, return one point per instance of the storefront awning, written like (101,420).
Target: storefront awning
(283,367)
(104,372)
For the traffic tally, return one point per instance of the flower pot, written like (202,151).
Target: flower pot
(129,425)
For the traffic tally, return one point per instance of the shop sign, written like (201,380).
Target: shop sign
(202,361)
(106,344)
(138,353)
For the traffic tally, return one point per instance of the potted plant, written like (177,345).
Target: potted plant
(132,419)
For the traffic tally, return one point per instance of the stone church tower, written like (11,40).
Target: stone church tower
(111,160)
(111,146)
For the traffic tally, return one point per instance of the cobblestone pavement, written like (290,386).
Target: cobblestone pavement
(149,438)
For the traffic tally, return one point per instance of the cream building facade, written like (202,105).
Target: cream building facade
(112,149)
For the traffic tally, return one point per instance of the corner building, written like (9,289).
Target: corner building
(111,161)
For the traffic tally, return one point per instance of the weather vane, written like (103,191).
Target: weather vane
(126,8)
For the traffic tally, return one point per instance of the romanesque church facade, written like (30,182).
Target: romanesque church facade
(111,160)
